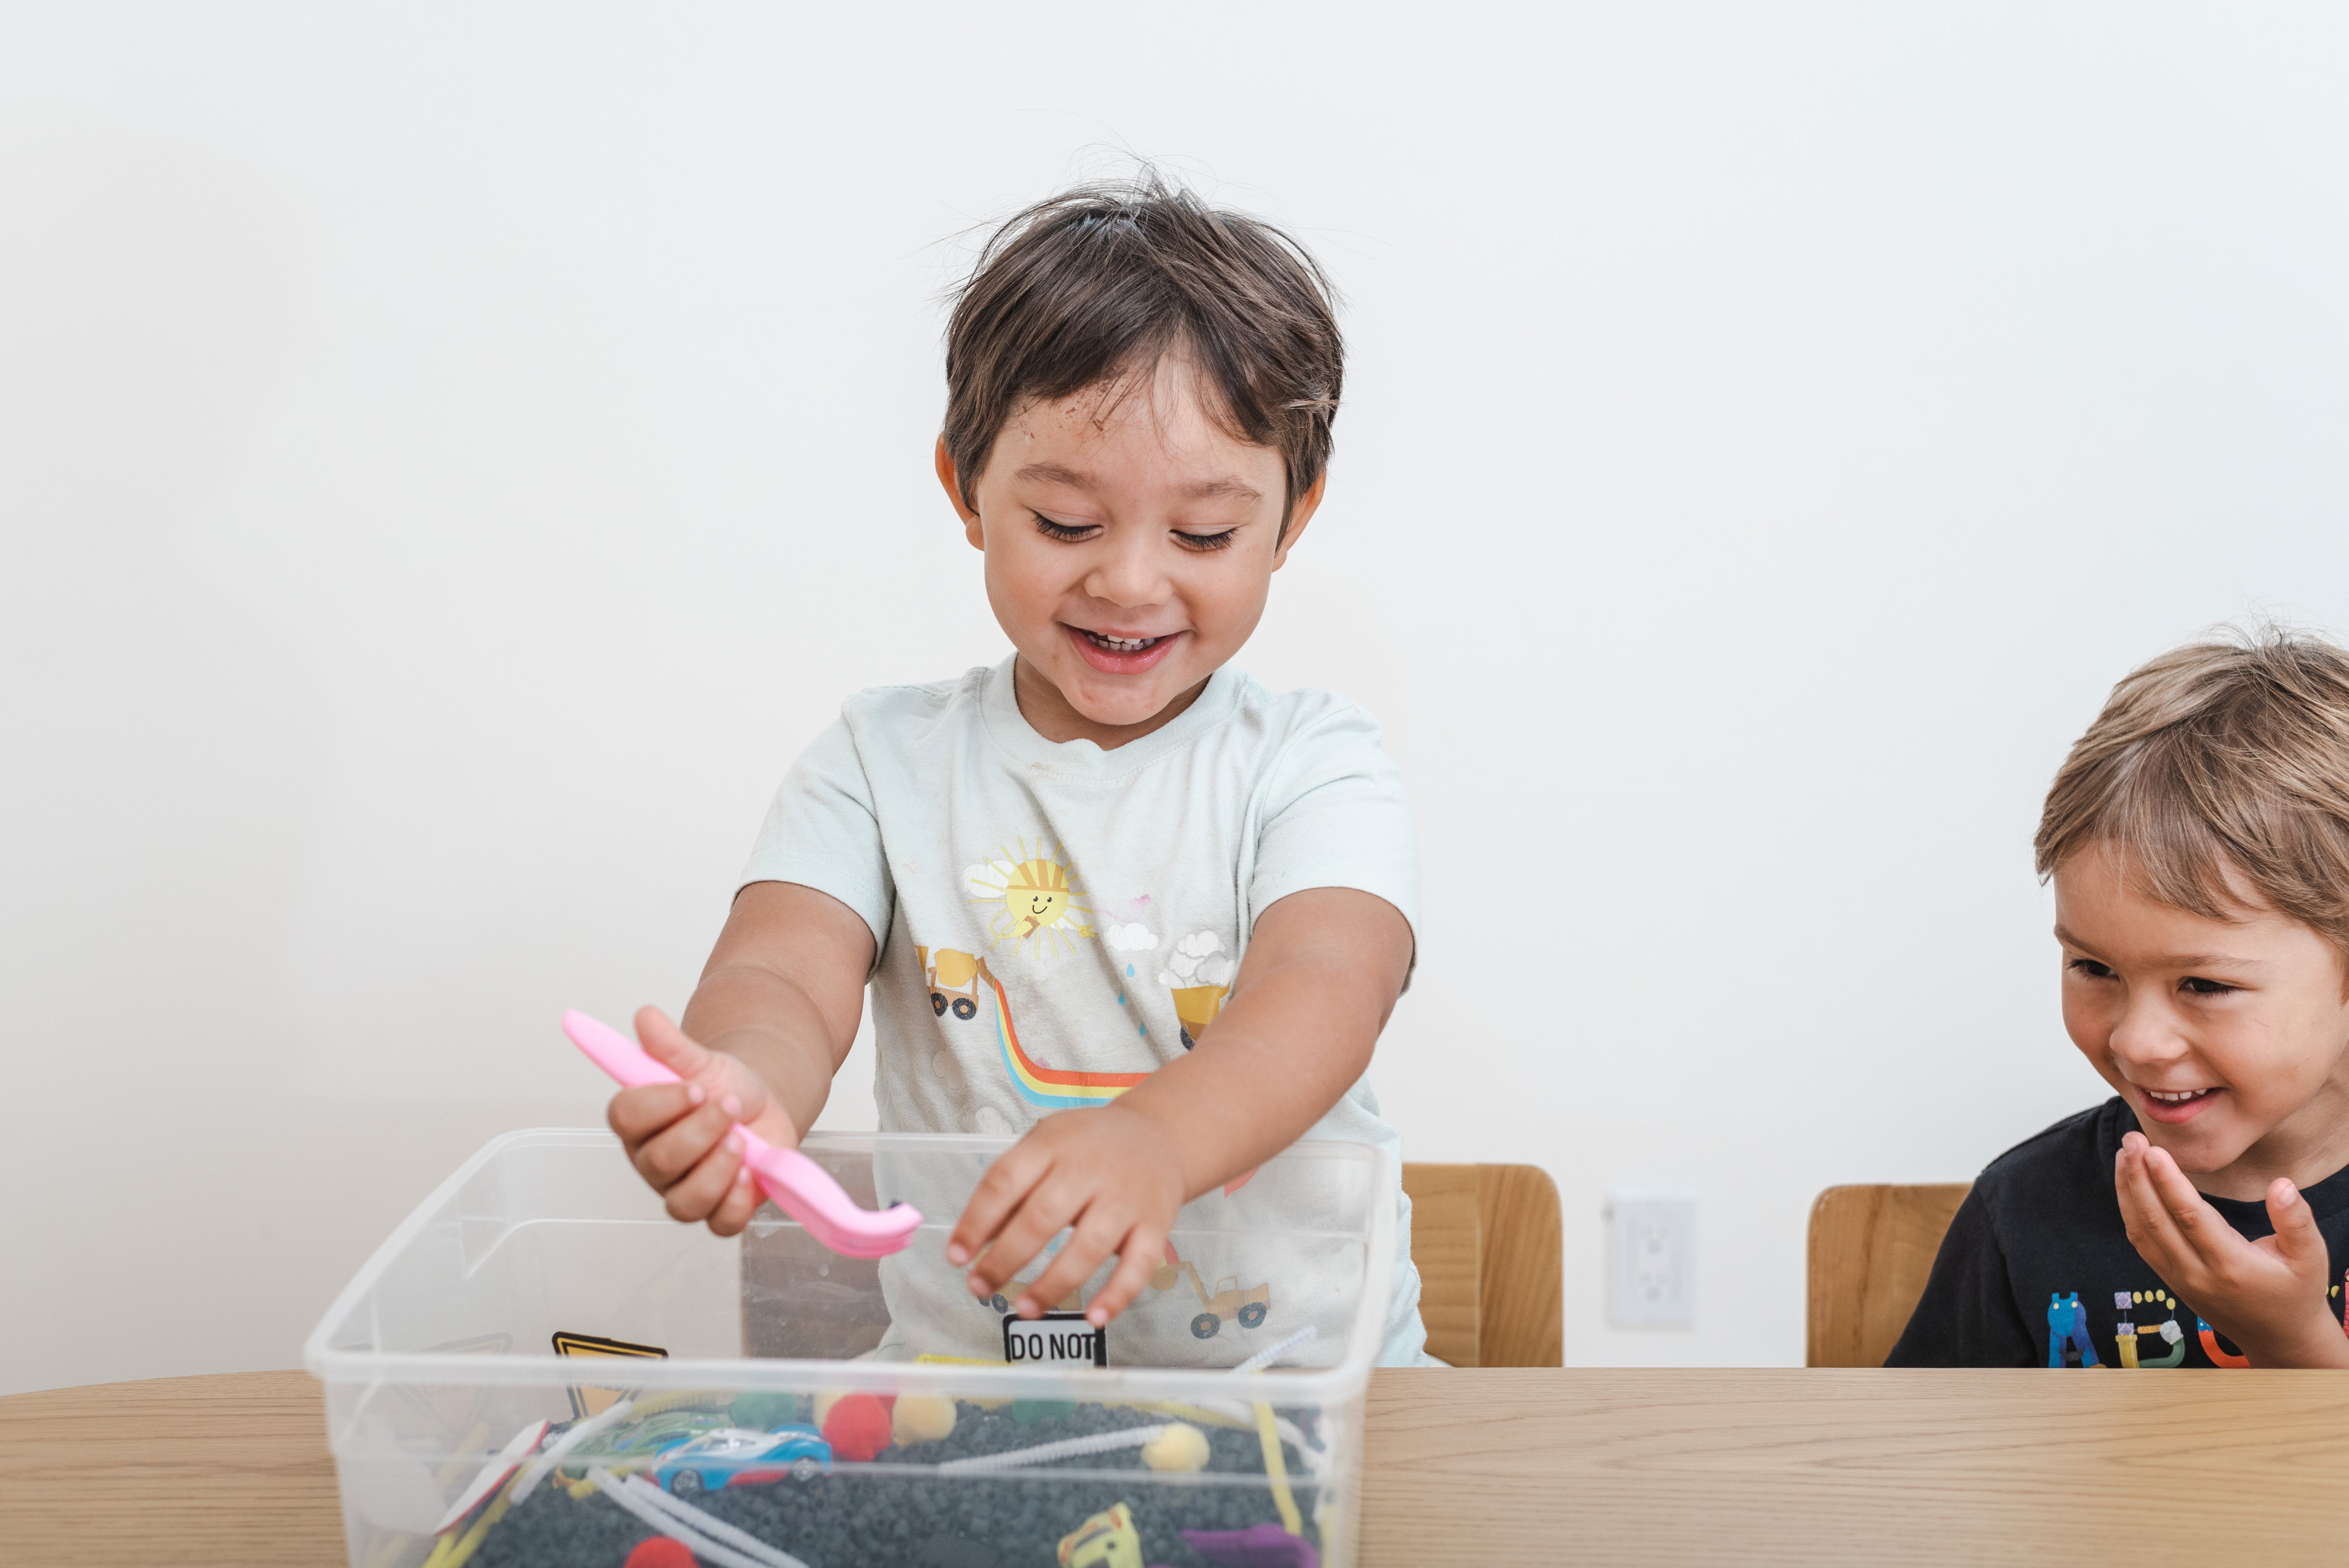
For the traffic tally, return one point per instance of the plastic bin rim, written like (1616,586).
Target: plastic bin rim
(1350,1378)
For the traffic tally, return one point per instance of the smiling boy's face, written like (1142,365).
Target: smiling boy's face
(1130,544)
(2226,1038)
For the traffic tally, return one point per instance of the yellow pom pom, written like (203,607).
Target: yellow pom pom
(921,1417)
(823,1403)
(1181,1447)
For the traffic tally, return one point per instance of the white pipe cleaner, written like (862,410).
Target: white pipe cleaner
(1045,1453)
(695,1542)
(603,1421)
(1271,1354)
(710,1523)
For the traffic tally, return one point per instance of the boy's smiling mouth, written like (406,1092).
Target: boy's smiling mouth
(2177,1105)
(1120,656)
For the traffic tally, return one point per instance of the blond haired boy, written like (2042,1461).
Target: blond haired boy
(2197,837)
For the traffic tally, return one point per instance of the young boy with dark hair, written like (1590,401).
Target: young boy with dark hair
(2197,837)
(1110,893)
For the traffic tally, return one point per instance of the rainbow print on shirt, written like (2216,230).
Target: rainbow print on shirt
(1053,1088)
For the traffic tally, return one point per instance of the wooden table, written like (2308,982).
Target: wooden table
(1467,1467)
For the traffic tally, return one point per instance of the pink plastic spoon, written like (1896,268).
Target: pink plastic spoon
(800,1187)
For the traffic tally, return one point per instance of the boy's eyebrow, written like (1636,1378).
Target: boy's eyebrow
(1210,490)
(1055,473)
(1199,489)
(2175,960)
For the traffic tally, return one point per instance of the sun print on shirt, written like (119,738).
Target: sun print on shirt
(1034,894)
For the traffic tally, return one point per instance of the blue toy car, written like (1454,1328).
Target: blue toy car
(736,1455)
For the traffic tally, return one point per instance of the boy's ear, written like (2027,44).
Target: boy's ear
(1298,516)
(952,481)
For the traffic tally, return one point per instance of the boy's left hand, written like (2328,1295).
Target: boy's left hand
(1111,1172)
(1321,972)
(2267,1295)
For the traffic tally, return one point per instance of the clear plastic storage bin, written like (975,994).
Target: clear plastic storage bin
(763,1401)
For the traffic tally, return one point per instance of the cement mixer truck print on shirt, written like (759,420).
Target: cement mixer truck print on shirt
(1055,921)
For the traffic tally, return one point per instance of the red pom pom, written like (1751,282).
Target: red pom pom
(660,1552)
(857,1427)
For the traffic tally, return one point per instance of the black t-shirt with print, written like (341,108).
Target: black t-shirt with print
(2037,1269)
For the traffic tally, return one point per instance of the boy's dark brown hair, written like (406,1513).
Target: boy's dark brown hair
(1096,284)
(2226,759)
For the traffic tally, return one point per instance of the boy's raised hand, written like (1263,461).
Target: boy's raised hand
(679,1136)
(2267,1295)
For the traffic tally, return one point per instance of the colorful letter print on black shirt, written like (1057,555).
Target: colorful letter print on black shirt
(2037,1269)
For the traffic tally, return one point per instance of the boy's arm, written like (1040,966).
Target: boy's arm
(1321,974)
(2267,1295)
(770,1022)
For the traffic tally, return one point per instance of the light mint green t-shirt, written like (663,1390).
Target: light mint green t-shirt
(1054,922)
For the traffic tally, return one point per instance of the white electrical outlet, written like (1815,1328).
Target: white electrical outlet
(1652,1257)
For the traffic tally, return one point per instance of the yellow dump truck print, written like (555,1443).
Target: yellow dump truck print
(1227,1301)
(953,981)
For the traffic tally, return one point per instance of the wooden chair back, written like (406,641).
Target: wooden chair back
(1491,1265)
(1871,1248)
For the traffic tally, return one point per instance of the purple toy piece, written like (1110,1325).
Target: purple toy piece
(1257,1546)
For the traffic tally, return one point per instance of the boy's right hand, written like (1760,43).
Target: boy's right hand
(2267,1295)
(680,1136)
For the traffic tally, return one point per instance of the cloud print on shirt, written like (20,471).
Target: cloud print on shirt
(1131,938)
(1197,960)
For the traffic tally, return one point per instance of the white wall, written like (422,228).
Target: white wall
(452,461)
